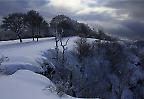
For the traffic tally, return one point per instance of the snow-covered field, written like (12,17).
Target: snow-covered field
(25,84)
(25,55)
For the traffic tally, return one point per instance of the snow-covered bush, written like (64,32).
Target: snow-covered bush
(83,48)
(142,60)
(60,88)
(60,74)
(3,59)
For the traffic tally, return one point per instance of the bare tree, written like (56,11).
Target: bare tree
(39,22)
(31,21)
(64,48)
(14,22)
(56,44)
(35,22)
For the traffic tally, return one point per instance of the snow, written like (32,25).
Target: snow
(25,84)
(28,52)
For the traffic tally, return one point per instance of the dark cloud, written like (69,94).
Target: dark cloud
(125,18)
(93,17)
(136,27)
(12,6)
(133,7)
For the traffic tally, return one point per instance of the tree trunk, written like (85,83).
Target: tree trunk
(38,32)
(20,38)
(37,38)
(63,56)
(32,33)
(56,48)
(33,38)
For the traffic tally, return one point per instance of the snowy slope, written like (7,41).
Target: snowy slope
(25,84)
(25,55)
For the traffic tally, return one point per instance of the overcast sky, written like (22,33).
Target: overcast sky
(118,17)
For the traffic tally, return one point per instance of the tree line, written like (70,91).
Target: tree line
(34,24)
(20,22)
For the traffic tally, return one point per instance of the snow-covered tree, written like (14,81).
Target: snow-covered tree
(31,21)
(83,48)
(35,22)
(14,22)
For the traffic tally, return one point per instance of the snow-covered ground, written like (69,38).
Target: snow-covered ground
(22,61)
(25,55)
(25,84)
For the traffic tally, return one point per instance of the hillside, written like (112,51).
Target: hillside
(99,68)
(25,84)
(27,53)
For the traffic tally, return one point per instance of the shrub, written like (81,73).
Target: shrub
(83,48)
(3,59)
(59,88)
(142,60)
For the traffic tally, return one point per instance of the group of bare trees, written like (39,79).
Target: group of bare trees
(21,22)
